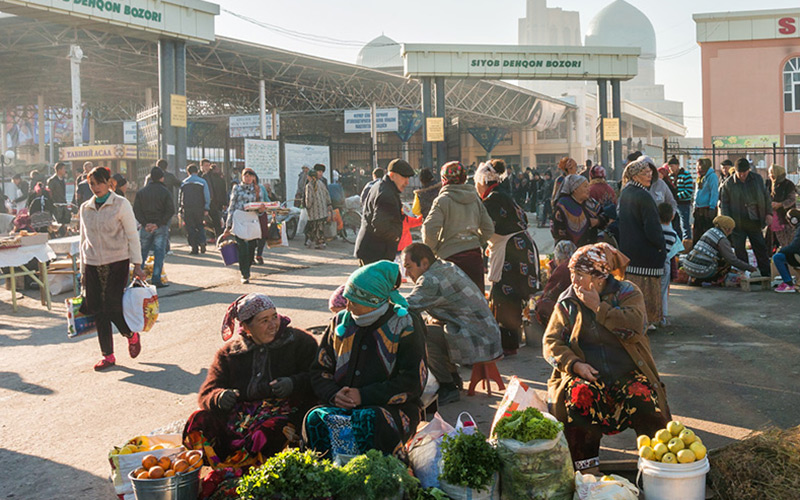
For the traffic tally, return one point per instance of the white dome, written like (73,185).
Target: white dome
(382,52)
(621,24)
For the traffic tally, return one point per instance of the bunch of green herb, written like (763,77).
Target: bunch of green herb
(376,476)
(526,426)
(468,460)
(291,475)
(430,494)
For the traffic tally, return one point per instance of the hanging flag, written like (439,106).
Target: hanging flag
(488,137)
(408,123)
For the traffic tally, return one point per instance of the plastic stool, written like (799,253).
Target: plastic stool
(486,372)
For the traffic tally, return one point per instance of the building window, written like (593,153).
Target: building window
(791,85)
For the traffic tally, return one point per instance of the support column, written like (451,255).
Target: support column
(75,56)
(40,112)
(441,147)
(373,132)
(262,107)
(274,118)
(180,89)
(166,87)
(616,108)
(148,98)
(602,107)
(427,147)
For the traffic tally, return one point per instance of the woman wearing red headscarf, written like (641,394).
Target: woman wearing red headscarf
(568,166)
(458,224)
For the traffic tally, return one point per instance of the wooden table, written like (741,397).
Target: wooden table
(19,257)
(71,247)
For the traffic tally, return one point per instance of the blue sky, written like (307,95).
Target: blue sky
(338,29)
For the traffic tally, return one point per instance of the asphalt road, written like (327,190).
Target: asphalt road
(729,362)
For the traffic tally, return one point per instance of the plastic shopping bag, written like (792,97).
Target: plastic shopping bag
(537,470)
(466,425)
(455,492)
(425,451)
(140,306)
(588,487)
(518,396)
(77,322)
(301,223)
(337,217)
(123,463)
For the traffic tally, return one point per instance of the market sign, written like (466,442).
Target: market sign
(104,152)
(745,141)
(773,24)
(183,19)
(250,125)
(177,110)
(360,120)
(611,129)
(519,62)
(435,129)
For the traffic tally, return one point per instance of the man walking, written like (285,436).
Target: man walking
(153,208)
(382,222)
(58,194)
(219,196)
(82,190)
(194,202)
(461,327)
(684,186)
(377,174)
(745,199)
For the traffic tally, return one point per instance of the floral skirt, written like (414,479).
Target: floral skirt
(650,287)
(611,408)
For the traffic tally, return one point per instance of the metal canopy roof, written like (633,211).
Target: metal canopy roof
(222,78)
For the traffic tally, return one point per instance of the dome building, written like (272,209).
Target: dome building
(381,53)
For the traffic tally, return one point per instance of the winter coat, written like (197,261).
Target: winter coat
(704,258)
(707,191)
(745,202)
(216,186)
(641,237)
(195,196)
(241,195)
(317,200)
(58,189)
(248,367)
(109,233)
(381,224)
(457,222)
(684,185)
(153,204)
(622,312)
(661,193)
(423,199)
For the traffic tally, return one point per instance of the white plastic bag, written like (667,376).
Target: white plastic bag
(588,487)
(301,223)
(467,426)
(246,225)
(140,306)
(518,396)
(431,389)
(455,492)
(425,451)
(122,465)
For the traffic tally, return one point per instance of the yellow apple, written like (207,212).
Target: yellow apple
(669,458)
(675,427)
(660,449)
(675,445)
(664,436)
(687,436)
(686,456)
(647,453)
(643,440)
(698,449)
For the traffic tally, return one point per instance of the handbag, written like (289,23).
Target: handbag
(77,322)
(273,233)
(246,225)
(140,306)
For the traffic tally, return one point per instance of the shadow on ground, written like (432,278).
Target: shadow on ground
(45,479)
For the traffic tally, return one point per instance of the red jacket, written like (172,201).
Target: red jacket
(408,224)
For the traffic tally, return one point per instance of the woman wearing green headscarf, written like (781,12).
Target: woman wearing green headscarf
(370,369)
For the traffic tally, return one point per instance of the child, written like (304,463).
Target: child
(788,255)
(337,302)
(674,246)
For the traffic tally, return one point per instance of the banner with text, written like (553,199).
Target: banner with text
(263,157)
(359,120)
(250,125)
(298,155)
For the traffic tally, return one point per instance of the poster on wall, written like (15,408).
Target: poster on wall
(263,158)
(298,155)
(250,125)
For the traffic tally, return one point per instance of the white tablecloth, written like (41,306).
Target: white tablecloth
(71,245)
(14,257)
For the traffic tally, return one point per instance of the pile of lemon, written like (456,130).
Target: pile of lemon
(136,445)
(675,444)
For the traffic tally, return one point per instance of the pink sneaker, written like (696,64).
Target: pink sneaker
(134,345)
(785,288)
(106,362)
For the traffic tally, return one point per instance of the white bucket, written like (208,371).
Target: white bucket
(671,481)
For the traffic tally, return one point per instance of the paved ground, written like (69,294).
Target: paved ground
(729,362)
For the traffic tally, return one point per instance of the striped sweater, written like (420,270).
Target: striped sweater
(684,185)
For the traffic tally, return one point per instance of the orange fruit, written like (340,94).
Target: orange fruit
(156,472)
(194,457)
(180,465)
(149,461)
(139,471)
(181,455)
(143,475)
(169,473)
(164,462)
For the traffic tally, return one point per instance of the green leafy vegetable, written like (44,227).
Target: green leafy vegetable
(468,460)
(526,426)
(376,476)
(291,475)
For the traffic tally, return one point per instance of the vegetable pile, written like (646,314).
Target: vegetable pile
(468,460)
(527,425)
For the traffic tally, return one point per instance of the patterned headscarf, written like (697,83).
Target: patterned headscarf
(635,168)
(600,259)
(571,183)
(453,172)
(486,174)
(337,300)
(597,172)
(724,222)
(374,285)
(564,250)
(566,163)
(244,309)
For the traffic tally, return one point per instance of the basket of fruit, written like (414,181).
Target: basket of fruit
(175,477)
(673,464)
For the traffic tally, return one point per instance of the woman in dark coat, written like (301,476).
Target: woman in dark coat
(257,390)
(783,196)
(513,255)
(574,214)
(641,236)
(370,370)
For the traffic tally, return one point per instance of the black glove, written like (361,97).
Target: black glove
(227,399)
(282,387)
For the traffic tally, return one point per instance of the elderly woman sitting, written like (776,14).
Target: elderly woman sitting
(604,379)
(370,370)
(573,218)
(558,282)
(712,257)
(257,390)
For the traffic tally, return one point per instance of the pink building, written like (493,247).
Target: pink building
(751,77)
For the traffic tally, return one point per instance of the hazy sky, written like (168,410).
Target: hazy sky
(338,29)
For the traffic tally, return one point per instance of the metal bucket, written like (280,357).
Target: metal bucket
(188,485)
(165,488)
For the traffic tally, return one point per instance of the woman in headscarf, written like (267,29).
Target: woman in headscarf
(573,218)
(369,371)
(318,205)
(558,282)
(243,193)
(641,237)
(513,255)
(599,190)
(257,389)
(567,166)
(458,224)
(604,377)
(712,257)
(784,197)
